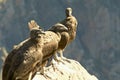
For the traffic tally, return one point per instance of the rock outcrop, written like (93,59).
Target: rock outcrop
(65,71)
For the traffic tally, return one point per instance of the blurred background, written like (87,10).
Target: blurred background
(97,44)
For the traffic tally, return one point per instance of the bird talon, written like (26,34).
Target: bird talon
(62,59)
(58,59)
(46,76)
(65,59)
(55,68)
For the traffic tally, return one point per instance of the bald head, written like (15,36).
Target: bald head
(68,12)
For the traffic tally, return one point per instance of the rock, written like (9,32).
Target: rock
(72,70)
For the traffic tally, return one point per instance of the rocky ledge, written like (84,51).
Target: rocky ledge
(67,70)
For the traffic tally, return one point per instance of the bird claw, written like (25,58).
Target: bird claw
(58,59)
(46,76)
(65,59)
(53,63)
(42,70)
(54,68)
(62,59)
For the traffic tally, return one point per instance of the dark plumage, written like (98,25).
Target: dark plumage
(71,23)
(36,50)
(32,53)
(66,37)
(52,39)
(24,57)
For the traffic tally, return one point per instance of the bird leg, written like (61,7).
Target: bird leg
(59,59)
(30,76)
(56,58)
(62,57)
(43,69)
(53,63)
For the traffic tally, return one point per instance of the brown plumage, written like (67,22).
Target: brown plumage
(71,23)
(66,37)
(31,53)
(23,59)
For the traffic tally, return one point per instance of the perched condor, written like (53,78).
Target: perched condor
(28,56)
(66,37)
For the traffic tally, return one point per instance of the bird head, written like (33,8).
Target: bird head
(59,28)
(35,33)
(68,12)
(35,30)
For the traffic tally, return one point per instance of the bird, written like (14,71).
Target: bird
(66,37)
(22,60)
(51,42)
(31,54)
